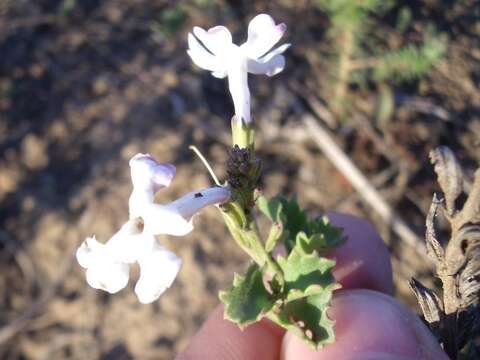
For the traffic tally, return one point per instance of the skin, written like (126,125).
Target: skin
(370,324)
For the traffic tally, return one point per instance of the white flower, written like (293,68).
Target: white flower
(107,265)
(213,50)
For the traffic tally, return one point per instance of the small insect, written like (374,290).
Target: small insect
(198,195)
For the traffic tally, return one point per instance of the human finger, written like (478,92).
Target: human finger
(369,326)
(222,339)
(364,260)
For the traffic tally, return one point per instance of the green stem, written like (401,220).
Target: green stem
(344,69)
(246,240)
(245,232)
(243,134)
(238,214)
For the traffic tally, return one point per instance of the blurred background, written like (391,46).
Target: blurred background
(86,84)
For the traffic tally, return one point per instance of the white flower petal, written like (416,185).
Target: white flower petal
(148,174)
(277,51)
(270,64)
(269,68)
(86,251)
(103,271)
(105,274)
(262,35)
(217,39)
(160,219)
(158,270)
(220,74)
(201,57)
(128,243)
(175,218)
(137,202)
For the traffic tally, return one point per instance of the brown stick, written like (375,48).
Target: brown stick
(360,182)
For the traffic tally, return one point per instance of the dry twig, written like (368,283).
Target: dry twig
(360,182)
(454,318)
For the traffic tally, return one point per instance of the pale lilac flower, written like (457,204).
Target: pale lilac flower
(107,265)
(213,50)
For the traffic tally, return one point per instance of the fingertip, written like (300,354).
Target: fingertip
(364,260)
(369,325)
(221,339)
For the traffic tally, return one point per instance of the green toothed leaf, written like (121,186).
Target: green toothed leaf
(275,234)
(309,285)
(247,300)
(272,209)
(295,221)
(322,236)
(305,272)
(307,317)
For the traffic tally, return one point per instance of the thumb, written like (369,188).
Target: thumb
(369,326)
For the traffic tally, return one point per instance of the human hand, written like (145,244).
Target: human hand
(370,324)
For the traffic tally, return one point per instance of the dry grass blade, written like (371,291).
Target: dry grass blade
(450,176)
(429,303)
(434,248)
(360,182)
